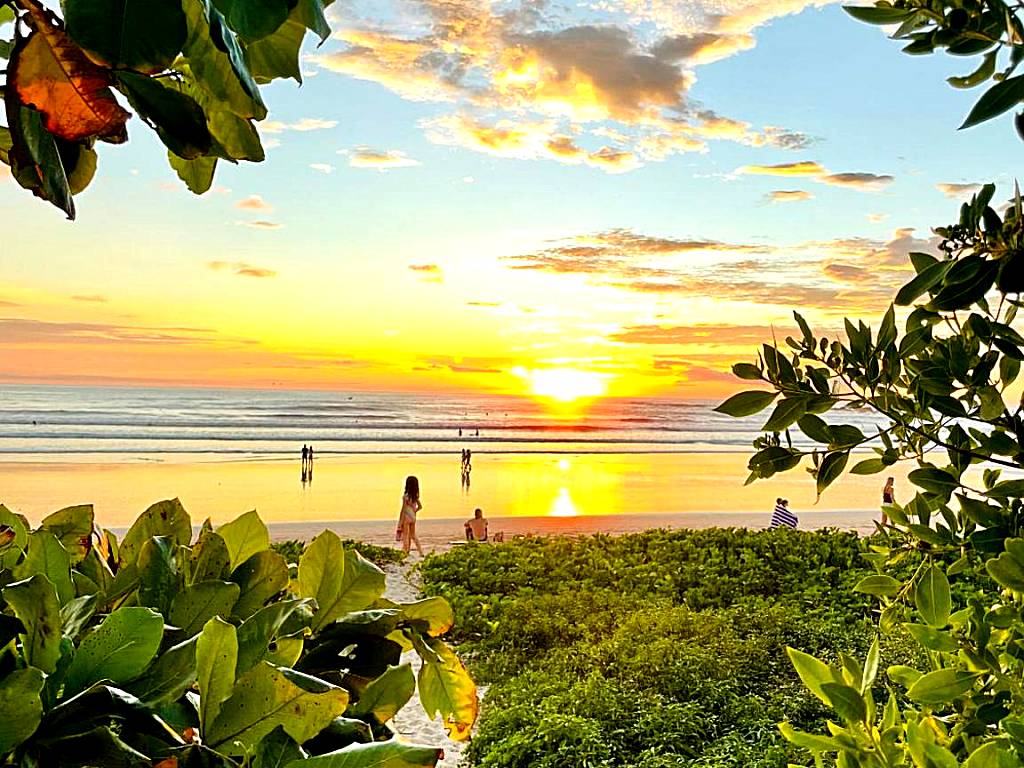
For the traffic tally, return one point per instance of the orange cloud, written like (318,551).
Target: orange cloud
(802,168)
(254,203)
(365,157)
(240,268)
(788,196)
(867,182)
(957,190)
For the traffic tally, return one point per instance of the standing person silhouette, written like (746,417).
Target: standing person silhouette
(888,497)
(407,517)
(309,467)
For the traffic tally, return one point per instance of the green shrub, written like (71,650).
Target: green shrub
(291,550)
(161,648)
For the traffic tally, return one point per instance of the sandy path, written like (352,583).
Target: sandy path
(411,722)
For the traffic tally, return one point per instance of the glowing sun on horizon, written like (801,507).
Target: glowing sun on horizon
(564,385)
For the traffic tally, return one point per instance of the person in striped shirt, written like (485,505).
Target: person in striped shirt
(782,515)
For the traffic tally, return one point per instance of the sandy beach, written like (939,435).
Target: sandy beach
(359,495)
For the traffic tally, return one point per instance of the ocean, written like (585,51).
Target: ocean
(37,422)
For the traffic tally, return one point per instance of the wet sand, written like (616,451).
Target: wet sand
(360,494)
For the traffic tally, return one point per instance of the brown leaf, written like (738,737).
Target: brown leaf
(52,74)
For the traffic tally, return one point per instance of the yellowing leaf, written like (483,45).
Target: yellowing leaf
(446,687)
(53,75)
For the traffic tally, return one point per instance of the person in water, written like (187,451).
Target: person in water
(476,527)
(407,517)
(888,497)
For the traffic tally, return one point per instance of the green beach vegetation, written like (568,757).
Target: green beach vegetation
(664,648)
(948,399)
(164,649)
(291,550)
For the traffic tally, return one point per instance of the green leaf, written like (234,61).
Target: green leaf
(868,467)
(127,34)
(75,615)
(244,537)
(1006,489)
(934,480)
(786,413)
(260,578)
(385,695)
(966,293)
(34,602)
(197,174)
(34,159)
(382,754)
(942,686)
(199,603)
(117,650)
(45,555)
(831,468)
(276,750)
(278,54)
(747,403)
(846,701)
(159,580)
(165,518)
(73,527)
(233,137)
(258,631)
(12,554)
(216,657)
(268,696)
(878,15)
(176,117)
(931,638)
(446,688)
(931,595)
(812,672)
(210,559)
(998,99)
(879,585)
(254,19)
(810,741)
(433,612)
(21,709)
(311,14)
(217,61)
(871,666)
(1007,570)
(923,281)
(978,76)
(170,676)
(815,428)
(992,754)
(747,371)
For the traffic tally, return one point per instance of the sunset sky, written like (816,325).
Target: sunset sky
(462,194)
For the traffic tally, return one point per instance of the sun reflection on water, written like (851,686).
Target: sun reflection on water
(563,505)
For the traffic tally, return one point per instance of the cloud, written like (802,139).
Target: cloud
(254,203)
(840,275)
(365,157)
(802,168)
(458,364)
(957,191)
(322,167)
(430,273)
(302,126)
(28,331)
(240,268)
(706,334)
(94,298)
(867,182)
(261,224)
(877,218)
(788,196)
(626,66)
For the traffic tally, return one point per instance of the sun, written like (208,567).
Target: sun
(564,385)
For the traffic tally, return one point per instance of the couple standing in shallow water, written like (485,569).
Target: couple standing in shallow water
(406,532)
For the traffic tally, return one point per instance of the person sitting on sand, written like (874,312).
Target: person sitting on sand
(782,516)
(476,528)
(407,517)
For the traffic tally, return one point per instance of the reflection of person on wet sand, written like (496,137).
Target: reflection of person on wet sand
(476,527)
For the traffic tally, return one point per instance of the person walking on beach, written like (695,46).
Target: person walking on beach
(309,465)
(305,458)
(782,516)
(888,497)
(407,517)
(476,527)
